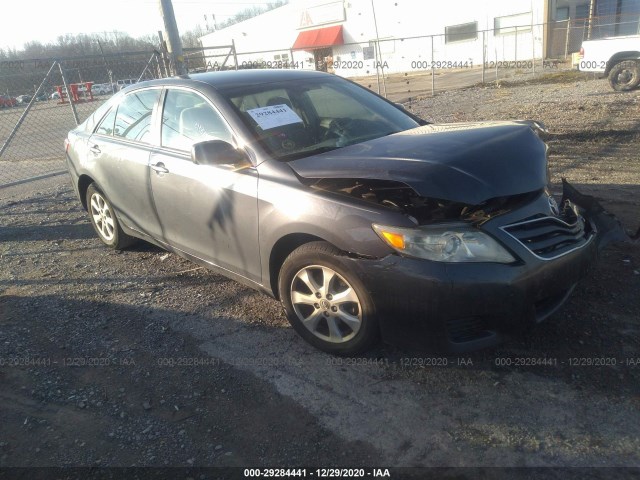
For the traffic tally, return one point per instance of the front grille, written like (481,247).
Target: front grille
(551,237)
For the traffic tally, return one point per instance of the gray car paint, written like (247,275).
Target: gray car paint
(483,160)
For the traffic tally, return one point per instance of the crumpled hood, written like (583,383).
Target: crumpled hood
(467,163)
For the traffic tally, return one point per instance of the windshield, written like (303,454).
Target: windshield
(293,120)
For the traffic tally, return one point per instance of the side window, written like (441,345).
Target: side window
(133,120)
(106,125)
(187,119)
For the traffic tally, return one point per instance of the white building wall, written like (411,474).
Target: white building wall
(399,22)
(272,33)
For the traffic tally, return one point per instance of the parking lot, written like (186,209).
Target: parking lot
(140,358)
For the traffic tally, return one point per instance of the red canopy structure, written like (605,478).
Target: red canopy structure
(321,37)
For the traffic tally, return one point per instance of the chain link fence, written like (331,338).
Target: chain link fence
(403,69)
(212,59)
(42,99)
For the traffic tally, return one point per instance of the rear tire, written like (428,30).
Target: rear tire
(325,301)
(104,220)
(625,76)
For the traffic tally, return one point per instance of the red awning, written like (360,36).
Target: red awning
(322,37)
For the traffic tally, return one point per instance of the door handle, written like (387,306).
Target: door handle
(159,168)
(95,150)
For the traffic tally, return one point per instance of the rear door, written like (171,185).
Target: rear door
(119,151)
(206,211)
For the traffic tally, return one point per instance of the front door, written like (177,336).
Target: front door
(206,211)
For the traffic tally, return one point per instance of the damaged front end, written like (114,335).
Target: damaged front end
(401,198)
(607,227)
(570,224)
(467,175)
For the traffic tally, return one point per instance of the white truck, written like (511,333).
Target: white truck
(615,57)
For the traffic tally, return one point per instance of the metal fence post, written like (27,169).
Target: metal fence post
(157,66)
(533,44)
(235,56)
(566,43)
(66,87)
(592,4)
(533,49)
(433,71)
(153,55)
(384,81)
(163,50)
(375,44)
(484,54)
(111,87)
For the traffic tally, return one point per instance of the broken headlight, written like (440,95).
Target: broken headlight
(444,243)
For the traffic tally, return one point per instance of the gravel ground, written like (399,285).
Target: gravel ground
(592,128)
(140,358)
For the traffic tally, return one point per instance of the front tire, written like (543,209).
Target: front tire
(625,76)
(325,301)
(104,220)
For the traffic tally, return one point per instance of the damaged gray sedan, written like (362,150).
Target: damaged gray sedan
(362,219)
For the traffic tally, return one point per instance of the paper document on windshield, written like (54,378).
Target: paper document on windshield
(274,116)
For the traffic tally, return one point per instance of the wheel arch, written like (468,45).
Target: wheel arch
(281,250)
(621,57)
(83,184)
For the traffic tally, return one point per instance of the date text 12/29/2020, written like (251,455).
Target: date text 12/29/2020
(317,472)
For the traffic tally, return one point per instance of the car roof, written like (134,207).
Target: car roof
(238,78)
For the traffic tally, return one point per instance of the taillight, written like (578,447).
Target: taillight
(581,52)
(66,145)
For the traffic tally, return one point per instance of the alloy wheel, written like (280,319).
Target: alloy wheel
(326,304)
(102,217)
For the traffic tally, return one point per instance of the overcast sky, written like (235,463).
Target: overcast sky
(28,20)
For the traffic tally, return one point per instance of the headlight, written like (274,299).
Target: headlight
(444,243)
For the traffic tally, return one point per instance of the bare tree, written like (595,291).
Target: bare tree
(251,12)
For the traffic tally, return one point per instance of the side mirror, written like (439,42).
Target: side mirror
(216,153)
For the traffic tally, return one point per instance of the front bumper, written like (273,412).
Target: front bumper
(466,306)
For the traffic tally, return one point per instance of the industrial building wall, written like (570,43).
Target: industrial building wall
(397,25)
(422,35)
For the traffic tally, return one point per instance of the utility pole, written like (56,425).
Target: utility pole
(174,44)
